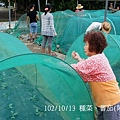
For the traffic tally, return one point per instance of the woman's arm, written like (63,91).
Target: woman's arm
(37,17)
(52,25)
(27,20)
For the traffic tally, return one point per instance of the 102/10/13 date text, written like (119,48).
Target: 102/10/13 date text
(68,108)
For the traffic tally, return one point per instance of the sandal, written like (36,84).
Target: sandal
(53,54)
(31,41)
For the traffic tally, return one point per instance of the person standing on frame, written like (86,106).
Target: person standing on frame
(32,17)
(47,29)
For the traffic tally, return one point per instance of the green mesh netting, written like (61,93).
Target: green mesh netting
(112,52)
(69,26)
(39,87)
(10,46)
(21,27)
(36,86)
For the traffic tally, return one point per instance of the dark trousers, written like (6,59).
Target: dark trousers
(109,113)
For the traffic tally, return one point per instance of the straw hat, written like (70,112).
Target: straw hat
(106,27)
(79,6)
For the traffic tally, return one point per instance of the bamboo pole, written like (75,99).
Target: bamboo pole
(9,15)
(46,2)
(106,6)
(15,9)
(39,13)
(114,4)
(77,2)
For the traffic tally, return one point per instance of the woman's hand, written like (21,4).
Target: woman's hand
(76,56)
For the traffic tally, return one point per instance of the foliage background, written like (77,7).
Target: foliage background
(58,5)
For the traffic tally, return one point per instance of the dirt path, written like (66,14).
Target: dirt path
(36,48)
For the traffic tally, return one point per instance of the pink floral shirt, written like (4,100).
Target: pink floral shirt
(95,69)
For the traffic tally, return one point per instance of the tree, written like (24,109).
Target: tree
(58,5)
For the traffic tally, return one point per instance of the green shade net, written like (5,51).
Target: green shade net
(9,47)
(69,26)
(39,87)
(21,27)
(112,52)
(77,26)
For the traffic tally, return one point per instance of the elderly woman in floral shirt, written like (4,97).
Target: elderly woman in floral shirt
(97,71)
